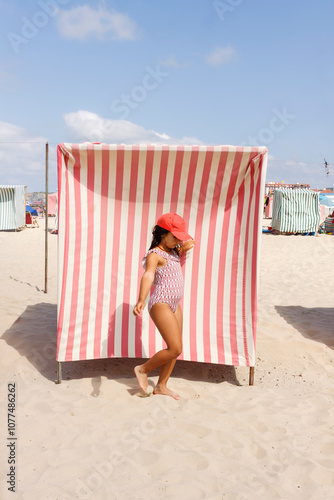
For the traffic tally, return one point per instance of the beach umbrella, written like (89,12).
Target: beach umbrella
(31,210)
(324,200)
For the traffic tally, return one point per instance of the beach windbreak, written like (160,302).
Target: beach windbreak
(109,197)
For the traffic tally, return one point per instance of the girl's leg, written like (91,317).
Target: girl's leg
(169,327)
(167,368)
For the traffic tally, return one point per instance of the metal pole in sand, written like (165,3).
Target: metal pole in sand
(46,214)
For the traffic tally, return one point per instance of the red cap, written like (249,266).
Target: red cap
(175,224)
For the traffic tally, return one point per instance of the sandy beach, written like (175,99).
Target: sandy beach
(93,437)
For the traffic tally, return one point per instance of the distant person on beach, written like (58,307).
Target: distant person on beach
(162,264)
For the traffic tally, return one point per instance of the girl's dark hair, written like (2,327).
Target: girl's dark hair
(157,233)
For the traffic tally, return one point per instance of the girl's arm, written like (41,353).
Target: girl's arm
(152,262)
(187,245)
(183,249)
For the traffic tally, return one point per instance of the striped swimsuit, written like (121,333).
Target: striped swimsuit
(168,280)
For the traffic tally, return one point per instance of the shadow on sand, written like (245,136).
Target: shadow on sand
(314,323)
(34,335)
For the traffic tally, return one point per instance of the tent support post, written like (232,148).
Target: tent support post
(46,214)
(251,375)
(58,381)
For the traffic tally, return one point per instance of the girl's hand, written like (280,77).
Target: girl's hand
(187,245)
(139,307)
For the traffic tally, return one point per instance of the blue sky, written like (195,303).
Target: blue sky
(241,72)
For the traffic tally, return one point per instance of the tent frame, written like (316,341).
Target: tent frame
(46,216)
(59,374)
(59,363)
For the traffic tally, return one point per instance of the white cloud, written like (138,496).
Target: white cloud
(172,62)
(22,158)
(87,126)
(84,21)
(293,163)
(220,55)
(292,171)
(22,153)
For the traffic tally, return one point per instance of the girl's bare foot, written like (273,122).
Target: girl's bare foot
(165,392)
(142,378)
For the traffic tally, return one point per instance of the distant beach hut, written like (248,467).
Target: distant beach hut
(296,211)
(12,207)
(52,204)
(54,230)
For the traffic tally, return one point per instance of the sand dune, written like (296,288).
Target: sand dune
(93,437)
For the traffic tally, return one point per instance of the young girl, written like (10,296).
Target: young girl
(163,268)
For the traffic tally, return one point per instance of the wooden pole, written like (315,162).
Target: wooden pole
(25,206)
(46,214)
(59,375)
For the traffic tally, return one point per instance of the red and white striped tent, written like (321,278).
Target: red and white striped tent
(110,197)
(52,203)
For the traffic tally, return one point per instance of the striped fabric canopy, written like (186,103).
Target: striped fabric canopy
(110,197)
(12,207)
(296,210)
(52,203)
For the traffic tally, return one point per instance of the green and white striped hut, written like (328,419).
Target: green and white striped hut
(296,211)
(12,207)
